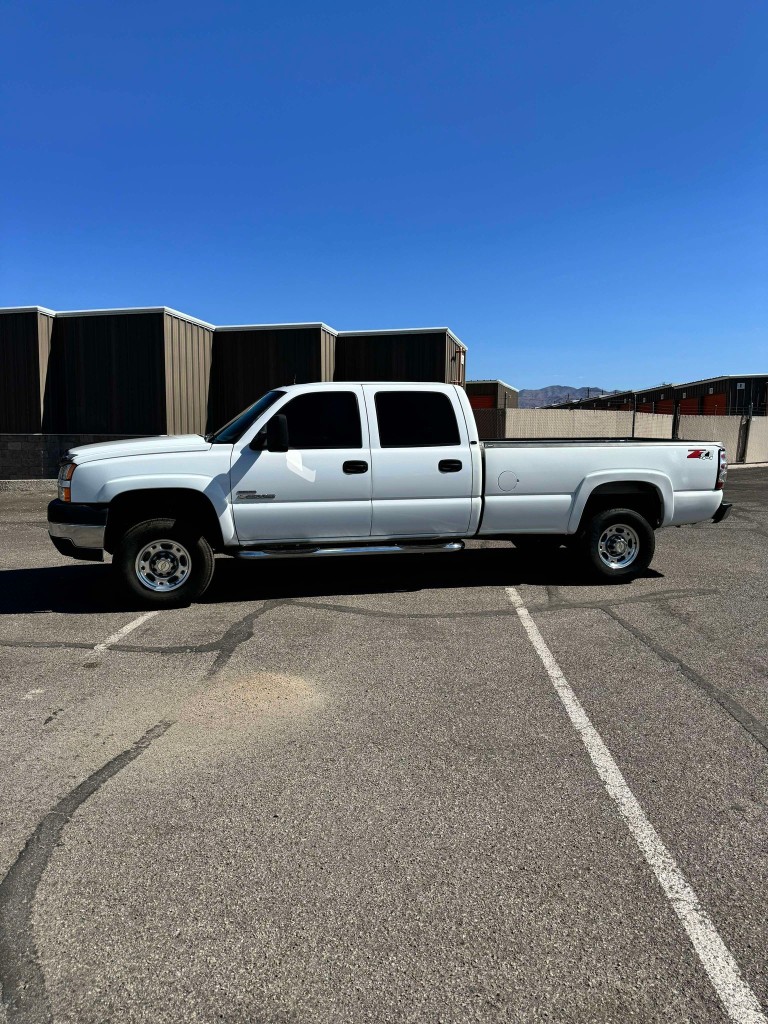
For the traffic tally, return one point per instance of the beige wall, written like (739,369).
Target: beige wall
(757,446)
(653,424)
(567,423)
(712,428)
(526,423)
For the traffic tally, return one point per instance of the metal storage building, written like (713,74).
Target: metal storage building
(250,360)
(724,396)
(419,354)
(660,399)
(127,371)
(732,395)
(25,343)
(155,370)
(491,394)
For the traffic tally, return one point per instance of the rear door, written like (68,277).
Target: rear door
(420,462)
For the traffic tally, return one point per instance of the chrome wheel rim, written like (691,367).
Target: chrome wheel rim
(163,565)
(618,546)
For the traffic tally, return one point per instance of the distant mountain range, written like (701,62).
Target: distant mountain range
(535,398)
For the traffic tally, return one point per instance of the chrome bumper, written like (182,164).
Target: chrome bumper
(81,535)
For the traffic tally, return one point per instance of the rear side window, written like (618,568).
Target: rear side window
(416,419)
(324,420)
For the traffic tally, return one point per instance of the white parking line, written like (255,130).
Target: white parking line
(116,637)
(737,997)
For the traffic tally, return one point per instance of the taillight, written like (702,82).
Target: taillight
(65,481)
(722,472)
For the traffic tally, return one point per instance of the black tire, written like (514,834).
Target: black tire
(181,545)
(610,553)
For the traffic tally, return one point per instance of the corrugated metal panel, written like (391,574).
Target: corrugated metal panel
(328,354)
(483,401)
(187,368)
(44,335)
(383,357)
(483,387)
(714,405)
(246,363)
(22,371)
(689,406)
(106,375)
(501,397)
(455,365)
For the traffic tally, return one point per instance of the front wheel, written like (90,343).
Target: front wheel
(619,543)
(164,563)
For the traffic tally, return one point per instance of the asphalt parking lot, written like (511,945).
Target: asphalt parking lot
(351,790)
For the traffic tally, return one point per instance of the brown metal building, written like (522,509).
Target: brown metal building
(251,359)
(724,396)
(491,394)
(422,354)
(127,371)
(732,395)
(155,370)
(25,343)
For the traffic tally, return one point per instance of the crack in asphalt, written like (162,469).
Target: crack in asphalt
(659,597)
(22,981)
(499,613)
(756,729)
(236,634)
(242,630)
(21,976)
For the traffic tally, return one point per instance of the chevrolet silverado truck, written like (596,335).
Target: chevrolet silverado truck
(321,470)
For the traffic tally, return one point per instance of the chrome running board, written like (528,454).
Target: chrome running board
(362,549)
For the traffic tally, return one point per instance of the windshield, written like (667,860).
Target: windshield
(236,427)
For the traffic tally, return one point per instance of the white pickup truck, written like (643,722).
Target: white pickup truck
(318,470)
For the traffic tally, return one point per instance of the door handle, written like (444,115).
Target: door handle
(449,465)
(355,466)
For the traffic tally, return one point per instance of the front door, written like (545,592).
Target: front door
(420,456)
(320,489)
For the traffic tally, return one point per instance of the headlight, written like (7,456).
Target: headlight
(65,480)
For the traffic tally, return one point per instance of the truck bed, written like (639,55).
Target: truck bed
(514,442)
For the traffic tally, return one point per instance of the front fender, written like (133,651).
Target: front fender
(216,489)
(659,480)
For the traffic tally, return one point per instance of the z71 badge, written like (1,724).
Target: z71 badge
(699,453)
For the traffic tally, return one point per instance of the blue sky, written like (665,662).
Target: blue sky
(578,189)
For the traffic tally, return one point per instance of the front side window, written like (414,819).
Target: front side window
(234,430)
(416,419)
(324,420)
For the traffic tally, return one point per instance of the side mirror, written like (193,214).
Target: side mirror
(277,433)
(259,441)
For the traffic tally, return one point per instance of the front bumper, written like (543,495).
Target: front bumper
(723,512)
(77,530)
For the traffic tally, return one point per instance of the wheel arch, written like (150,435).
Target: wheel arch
(646,492)
(132,505)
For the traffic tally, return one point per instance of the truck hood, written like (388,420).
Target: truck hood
(140,446)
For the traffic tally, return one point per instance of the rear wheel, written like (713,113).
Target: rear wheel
(165,563)
(619,543)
